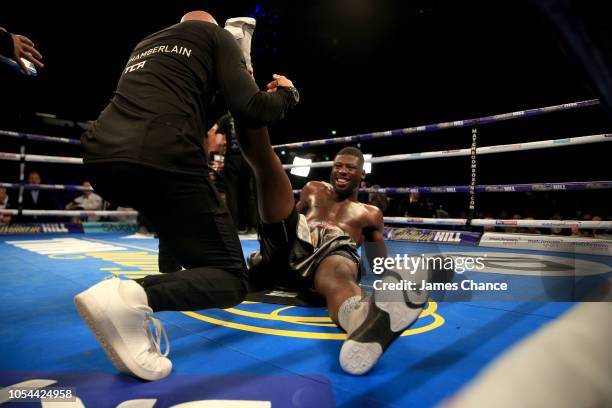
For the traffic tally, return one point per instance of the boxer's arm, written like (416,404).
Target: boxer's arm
(373,232)
(302,205)
(374,228)
(306,195)
(255,108)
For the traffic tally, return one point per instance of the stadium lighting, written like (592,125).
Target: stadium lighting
(367,166)
(301,171)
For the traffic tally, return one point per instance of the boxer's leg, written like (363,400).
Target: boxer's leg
(274,192)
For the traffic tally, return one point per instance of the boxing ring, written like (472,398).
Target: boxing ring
(288,355)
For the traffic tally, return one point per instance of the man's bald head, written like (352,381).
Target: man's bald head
(199,15)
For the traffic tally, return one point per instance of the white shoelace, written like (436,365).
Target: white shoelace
(160,332)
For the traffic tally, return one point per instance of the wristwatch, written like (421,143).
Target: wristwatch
(295,95)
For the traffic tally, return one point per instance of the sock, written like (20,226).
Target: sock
(133,294)
(352,313)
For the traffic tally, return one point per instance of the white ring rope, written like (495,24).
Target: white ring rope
(490,188)
(541,144)
(40,158)
(479,222)
(486,188)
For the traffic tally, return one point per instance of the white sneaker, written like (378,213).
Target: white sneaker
(389,314)
(242,29)
(117,313)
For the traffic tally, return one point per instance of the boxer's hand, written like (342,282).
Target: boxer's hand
(279,80)
(24,48)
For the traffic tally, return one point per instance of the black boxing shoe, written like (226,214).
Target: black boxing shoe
(390,312)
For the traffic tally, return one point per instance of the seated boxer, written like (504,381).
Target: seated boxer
(318,251)
(313,245)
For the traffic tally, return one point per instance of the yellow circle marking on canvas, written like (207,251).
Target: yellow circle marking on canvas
(432,307)
(430,311)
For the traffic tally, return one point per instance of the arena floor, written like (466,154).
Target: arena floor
(256,352)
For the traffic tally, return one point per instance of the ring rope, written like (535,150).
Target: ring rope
(27,186)
(39,138)
(70,213)
(480,222)
(486,188)
(542,144)
(40,158)
(441,126)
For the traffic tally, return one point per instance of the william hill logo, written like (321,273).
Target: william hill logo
(54,228)
(426,236)
(450,236)
(34,229)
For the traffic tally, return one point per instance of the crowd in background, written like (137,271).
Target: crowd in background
(43,199)
(431,206)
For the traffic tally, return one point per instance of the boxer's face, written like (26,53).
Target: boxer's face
(346,174)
